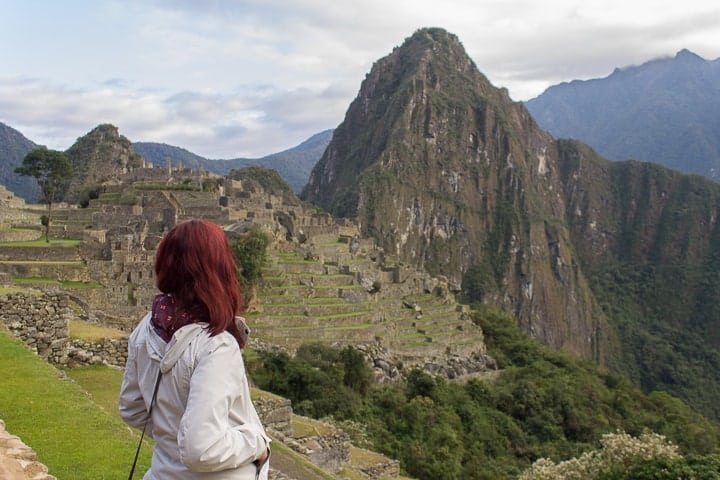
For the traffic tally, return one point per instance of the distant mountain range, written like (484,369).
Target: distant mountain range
(665,111)
(294,164)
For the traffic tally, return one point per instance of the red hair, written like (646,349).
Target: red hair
(194,263)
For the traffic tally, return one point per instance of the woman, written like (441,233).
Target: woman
(203,421)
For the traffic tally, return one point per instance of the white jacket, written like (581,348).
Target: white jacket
(203,422)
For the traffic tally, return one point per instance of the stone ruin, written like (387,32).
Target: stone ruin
(119,232)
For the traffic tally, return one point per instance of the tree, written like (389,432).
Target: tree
(250,254)
(52,170)
(476,282)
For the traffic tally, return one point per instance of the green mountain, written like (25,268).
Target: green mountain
(663,111)
(13,148)
(613,261)
(448,173)
(294,164)
(100,156)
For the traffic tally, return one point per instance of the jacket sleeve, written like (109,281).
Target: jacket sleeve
(131,402)
(207,440)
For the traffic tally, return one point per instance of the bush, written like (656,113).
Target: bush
(619,453)
(250,252)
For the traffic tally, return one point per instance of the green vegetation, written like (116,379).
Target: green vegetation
(102,384)
(88,193)
(6,290)
(623,457)
(71,433)
(476,282)
(51,242)
(250,251)
(52,170)
(91,332)
(544,404)
(49,280)
(269,179)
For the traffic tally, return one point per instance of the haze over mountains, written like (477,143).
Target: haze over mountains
(665,111)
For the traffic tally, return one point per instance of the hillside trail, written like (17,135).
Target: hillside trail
(18,461)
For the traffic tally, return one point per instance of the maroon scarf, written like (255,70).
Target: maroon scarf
(166,318)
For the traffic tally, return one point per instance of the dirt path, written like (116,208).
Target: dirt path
(18,461)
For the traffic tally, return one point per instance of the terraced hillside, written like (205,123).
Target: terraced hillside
(329,297)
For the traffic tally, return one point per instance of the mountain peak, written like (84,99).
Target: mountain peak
(410,97)
(687,55)
(430,42)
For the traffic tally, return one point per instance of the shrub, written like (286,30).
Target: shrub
(619,452)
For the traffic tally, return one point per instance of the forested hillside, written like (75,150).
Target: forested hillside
(543,404)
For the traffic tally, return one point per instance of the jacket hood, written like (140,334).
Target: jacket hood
(156,346)
(180,341)
(168,353)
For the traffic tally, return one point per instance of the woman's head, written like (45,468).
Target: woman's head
(194,263)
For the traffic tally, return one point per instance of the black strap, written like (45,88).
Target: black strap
(152,402)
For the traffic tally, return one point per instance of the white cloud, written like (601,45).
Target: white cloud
(225,78)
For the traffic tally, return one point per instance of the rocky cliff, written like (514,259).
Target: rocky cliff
(447,172)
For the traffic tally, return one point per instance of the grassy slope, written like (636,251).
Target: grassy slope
(74,436)
(74,423)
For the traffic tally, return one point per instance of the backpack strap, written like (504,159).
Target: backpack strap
(152,402)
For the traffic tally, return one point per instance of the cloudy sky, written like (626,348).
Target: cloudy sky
(246,78)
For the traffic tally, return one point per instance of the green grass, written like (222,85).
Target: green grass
(91,332)
(77,438)
(40,242)
(6,290)
(72,263)
(102,384)
(63,283)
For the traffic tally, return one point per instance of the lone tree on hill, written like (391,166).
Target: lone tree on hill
(52,170)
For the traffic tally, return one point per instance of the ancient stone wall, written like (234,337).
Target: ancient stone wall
(76,272)
(110,351)
(20,235)
(40,321)
(276,413)
(54,253)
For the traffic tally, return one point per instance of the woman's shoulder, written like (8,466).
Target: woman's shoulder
(141,329)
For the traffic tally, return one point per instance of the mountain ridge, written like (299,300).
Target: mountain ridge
(663,111)
(488,205)
(293,164)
